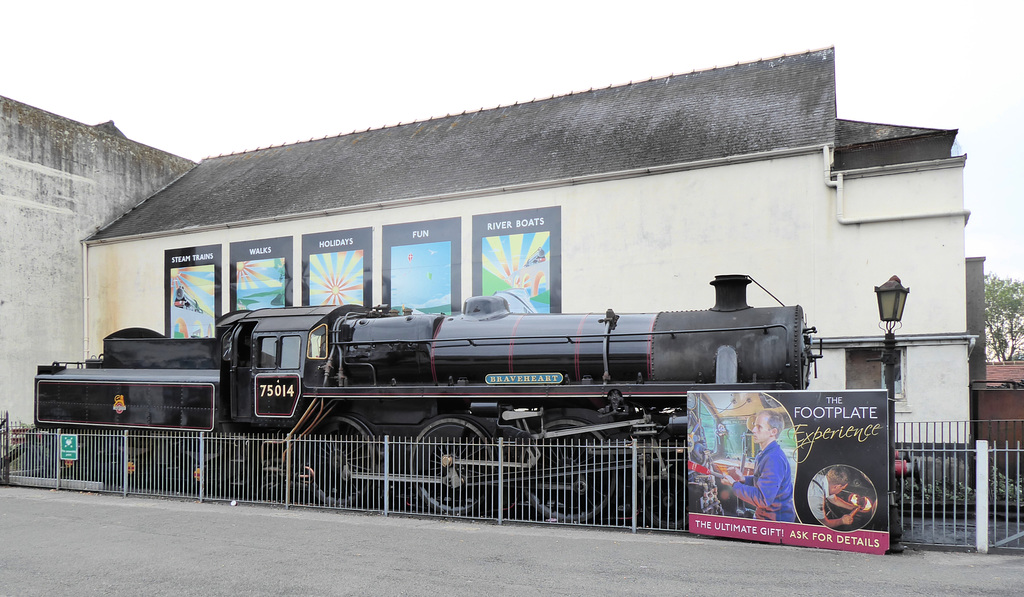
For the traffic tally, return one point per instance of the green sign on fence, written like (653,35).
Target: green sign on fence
(68,447)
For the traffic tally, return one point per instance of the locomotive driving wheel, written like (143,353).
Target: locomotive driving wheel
(338,472)
(455,463)
(665,502)
(576,483)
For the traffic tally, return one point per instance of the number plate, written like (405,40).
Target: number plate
(277,395)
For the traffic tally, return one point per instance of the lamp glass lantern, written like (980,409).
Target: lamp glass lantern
(892,297)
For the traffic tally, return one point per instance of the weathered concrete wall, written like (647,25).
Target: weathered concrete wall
(59,181)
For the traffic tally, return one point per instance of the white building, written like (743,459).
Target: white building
(638,195)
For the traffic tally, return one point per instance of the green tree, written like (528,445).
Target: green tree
(1004,318)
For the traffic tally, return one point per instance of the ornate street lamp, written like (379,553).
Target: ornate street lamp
(892,297)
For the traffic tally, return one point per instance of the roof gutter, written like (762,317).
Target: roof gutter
(837,184)
(904,339)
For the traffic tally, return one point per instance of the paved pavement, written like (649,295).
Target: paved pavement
(70,543)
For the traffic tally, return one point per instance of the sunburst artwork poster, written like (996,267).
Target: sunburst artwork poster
(517,256)
(261,275)
(192,291)
(337,268)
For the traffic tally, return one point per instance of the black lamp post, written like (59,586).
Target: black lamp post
(892,297)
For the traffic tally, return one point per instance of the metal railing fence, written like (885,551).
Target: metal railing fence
(961,483)
(956,489)
(1006,528)
(611,484)
(936,493)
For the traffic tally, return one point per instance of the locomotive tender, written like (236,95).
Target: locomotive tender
(485,373)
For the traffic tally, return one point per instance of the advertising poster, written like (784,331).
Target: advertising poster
(421,266)
(337,268)
(518,255)
(797,468)
(261,274)
(191,291)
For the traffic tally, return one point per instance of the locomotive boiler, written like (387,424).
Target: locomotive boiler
(485,373)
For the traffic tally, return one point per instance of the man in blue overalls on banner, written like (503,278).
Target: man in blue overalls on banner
(770,488)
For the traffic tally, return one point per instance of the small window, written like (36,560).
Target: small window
(268,353)
(317,347)
(865,371)
(291,347)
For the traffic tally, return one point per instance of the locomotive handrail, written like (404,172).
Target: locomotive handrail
(624,337)
(373,370)
(69,364)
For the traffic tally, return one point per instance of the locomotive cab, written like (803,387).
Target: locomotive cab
(271,358)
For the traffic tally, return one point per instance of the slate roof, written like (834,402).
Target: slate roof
(771,104)
(852,132)
(868,144)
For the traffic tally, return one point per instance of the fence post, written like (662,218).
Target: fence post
(287,473)
(501,479)
(5,460)
(635,479)
(57,462)
(387,479)
(202,464)
(981,495)
(124,465)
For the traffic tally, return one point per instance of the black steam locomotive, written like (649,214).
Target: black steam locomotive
(498,373)
(485,373)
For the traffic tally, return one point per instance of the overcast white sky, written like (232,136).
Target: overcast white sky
(204,78)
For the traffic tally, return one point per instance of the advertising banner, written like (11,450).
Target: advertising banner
(797,468)
(337,268)
(421,266)
(518,255)
(261,274)
(191,291)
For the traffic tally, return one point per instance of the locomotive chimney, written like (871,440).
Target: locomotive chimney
(731,292)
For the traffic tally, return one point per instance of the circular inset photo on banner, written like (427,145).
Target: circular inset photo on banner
(842,497)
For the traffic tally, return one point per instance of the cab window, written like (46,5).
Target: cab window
(291,347)
(317,346)
(280,353)
(268,353)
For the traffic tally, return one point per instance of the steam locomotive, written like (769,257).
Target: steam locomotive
(484,373)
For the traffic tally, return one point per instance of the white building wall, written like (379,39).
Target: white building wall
(654,242)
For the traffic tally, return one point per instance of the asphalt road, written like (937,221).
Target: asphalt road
(68,543)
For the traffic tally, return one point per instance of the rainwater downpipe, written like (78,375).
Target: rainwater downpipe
(85,301)
(837,184)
